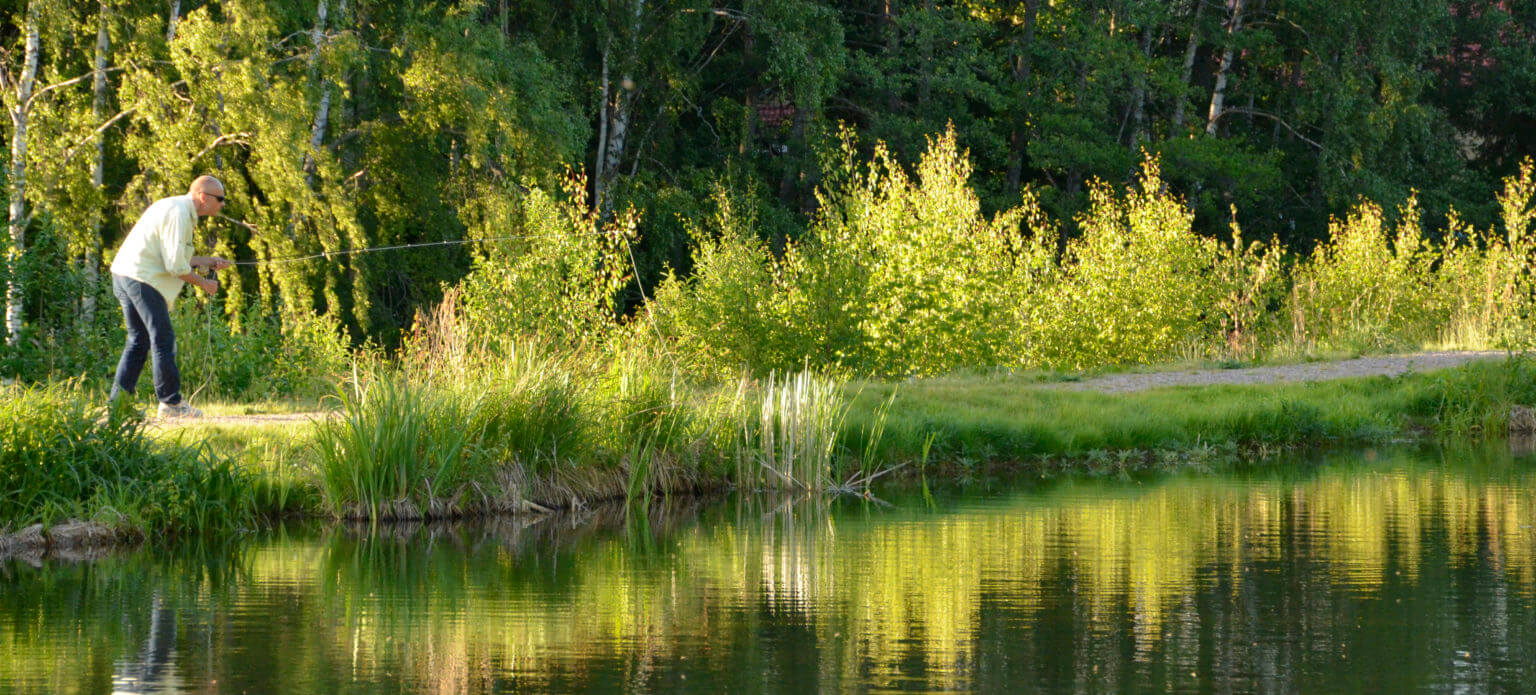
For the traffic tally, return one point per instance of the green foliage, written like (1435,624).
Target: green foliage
(895,276)
(339,126)
(559,275)
(1249,280)
(726,310)
(1365,289)
(62,459)
(258,358)
(1134,286)
(899,274)
(902,276)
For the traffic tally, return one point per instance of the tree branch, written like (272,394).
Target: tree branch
(1265,114)
(102,129)
(60,85)
(222,140)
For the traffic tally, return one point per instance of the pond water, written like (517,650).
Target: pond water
(1388,571)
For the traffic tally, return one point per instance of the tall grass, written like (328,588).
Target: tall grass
(61,458)
(793,439)
(399,450)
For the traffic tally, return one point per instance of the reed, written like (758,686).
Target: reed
(791,440)
(532,410)
(399,450)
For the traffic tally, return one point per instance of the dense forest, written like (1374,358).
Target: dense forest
(339,125)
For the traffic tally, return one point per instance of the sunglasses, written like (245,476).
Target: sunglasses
(215,197)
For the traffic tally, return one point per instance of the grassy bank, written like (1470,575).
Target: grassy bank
(974,420)
(547,438)
(61,458)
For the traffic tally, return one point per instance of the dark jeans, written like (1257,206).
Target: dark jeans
(149,334)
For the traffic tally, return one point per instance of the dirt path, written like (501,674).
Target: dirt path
(1385,365)
(286,419)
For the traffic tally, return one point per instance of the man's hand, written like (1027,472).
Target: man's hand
(211,262)
(208,285)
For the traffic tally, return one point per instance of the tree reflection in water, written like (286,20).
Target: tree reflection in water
(1373,573)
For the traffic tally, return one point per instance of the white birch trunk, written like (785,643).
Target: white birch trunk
(1219,93)
(170,25)
(322,111)
(619,115)
(1139,94)
(598,190)
(1189,66)
(99,110)
(18,179)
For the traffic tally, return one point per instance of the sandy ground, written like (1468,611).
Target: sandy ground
(1385,365)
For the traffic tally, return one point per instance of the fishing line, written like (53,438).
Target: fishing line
(396,247)
(628,248)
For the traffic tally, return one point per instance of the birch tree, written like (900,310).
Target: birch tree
(99,94)
(621,54)
(1219,92)
(20,87)
(29,80)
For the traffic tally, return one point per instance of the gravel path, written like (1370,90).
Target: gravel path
(1388,365)
(1385,365)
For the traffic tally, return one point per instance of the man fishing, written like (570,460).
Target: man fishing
(148,272)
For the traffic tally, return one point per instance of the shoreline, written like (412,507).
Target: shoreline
(1247,423)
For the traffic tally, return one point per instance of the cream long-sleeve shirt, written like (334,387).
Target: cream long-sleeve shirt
(158,249)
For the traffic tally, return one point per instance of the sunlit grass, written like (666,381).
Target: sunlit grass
(981,419)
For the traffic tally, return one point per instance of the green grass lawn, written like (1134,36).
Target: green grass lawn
(978,418)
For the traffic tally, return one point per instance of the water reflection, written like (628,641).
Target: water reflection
(1371,573)
(152,670)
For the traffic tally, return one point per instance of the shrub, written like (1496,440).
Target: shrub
(896,275)
(1134,284)
(1364,289)
(559,278)
(1249,285)
(726,311)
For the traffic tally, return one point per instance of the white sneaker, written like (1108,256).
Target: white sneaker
(179,410)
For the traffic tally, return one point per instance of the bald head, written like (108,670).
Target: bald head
(206,184)
(207,195)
